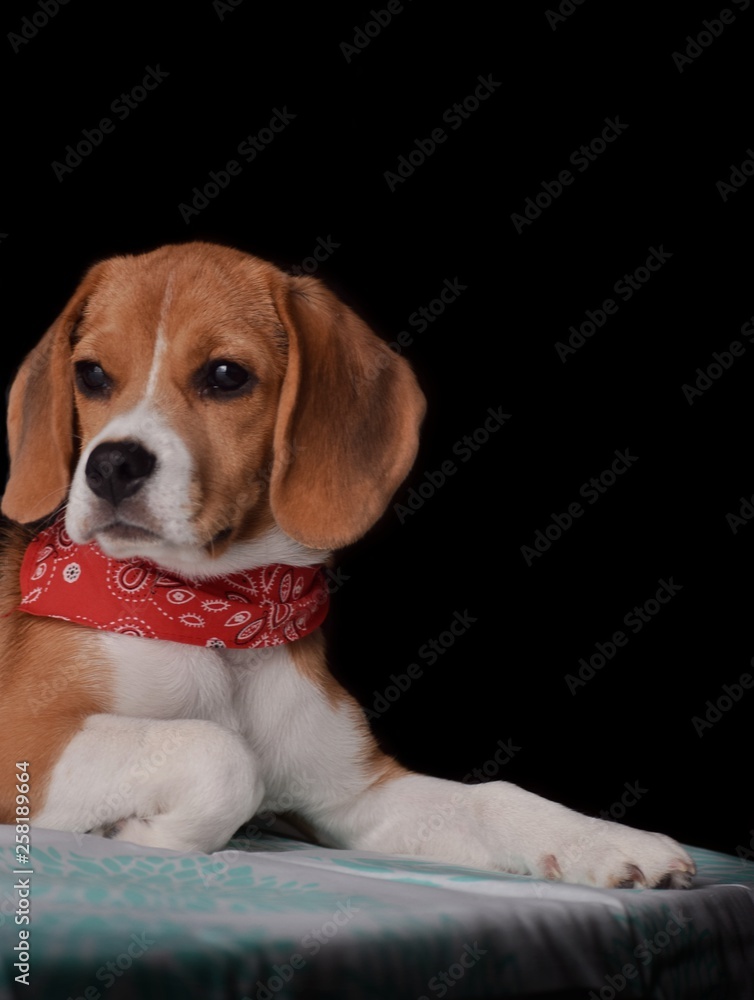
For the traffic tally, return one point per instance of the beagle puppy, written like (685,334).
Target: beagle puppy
(189,442)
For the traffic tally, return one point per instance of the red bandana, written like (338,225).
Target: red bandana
(267,606)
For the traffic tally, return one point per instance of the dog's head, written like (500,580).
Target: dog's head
(192,404)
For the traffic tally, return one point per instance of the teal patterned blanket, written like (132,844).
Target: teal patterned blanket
(276,918)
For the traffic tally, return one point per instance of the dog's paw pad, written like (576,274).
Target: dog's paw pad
(678,876)
(631,878)
(655,872)
(108,831)
(550,868)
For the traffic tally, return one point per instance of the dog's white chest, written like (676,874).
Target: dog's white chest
(169,680)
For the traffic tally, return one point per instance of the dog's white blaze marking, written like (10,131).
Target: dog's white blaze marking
(160,343)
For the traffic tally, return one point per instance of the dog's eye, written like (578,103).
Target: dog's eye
(91,377)
(226,377)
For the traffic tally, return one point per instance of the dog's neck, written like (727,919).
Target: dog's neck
(254,607)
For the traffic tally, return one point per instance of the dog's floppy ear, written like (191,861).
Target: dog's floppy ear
(348,420)
(40,420)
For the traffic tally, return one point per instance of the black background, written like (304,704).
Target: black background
(323,176)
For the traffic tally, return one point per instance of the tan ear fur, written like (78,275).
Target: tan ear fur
(40,420)
(348,420)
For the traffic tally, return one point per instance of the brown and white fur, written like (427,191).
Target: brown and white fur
(177,746)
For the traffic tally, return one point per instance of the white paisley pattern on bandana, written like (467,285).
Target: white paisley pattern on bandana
(266,606)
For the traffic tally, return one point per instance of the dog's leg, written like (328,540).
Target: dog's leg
(330,771)
(498,825)
(183,784)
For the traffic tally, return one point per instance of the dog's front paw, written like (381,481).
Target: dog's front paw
(600,853)
(526,833)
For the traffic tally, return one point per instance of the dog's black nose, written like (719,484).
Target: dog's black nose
(118,469)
